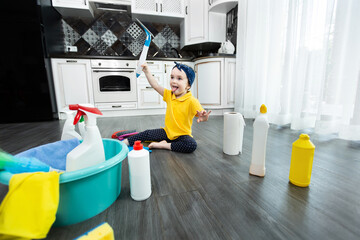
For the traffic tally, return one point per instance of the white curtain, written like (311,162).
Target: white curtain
(301,58)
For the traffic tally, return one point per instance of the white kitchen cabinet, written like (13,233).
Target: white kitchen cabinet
(222,6)
(167,11)
(200,25)
(209,75)
(155,66)
(115,106)
(142,80)
(172,7)
(73,82)
(144,6)
(196,22)
(71,3)
(74,8)
(229,82)
(215,82)
(147,96)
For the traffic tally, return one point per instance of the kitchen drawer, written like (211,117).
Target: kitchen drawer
(124,64)
(155,66)
(148,97)
(158,77)
(116,106)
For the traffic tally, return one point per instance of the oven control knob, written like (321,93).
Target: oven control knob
(127,64)
(99,64)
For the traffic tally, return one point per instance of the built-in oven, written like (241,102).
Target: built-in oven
(114,83)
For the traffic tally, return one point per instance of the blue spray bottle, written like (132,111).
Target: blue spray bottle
(145,49)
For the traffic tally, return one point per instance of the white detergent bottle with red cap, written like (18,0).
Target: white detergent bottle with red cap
(69,128)
(139,172)
(91,151)
(261,127)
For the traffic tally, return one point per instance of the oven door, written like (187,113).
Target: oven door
(112,85)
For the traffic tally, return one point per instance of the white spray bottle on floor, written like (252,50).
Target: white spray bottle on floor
(261,127)
(91,151)
(69,128)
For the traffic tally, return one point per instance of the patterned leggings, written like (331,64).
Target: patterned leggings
(184,144)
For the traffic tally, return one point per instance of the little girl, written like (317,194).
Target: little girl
(180,111)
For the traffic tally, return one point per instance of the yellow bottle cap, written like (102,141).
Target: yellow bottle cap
(304,136)
(263,109)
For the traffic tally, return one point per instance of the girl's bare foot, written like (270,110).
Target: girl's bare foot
(126,142)
(162,145)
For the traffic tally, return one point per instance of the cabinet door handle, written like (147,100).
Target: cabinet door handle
(209,2)
(71,61)
(156,7)
(160,7)
(149,87)
(85,2)
(116,106)
(186,10)
(104,71)
(150,62)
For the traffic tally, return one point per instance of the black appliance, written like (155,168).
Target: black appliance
(31,31)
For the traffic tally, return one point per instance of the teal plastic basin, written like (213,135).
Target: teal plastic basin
(87,192)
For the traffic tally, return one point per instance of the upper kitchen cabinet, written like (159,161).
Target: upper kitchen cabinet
(74,8)
(195,24)
(222,6)
(162,11)
(200,25)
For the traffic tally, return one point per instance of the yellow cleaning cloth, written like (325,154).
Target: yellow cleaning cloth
(29,208)
(102,232)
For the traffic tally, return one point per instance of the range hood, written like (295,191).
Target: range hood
(111,5)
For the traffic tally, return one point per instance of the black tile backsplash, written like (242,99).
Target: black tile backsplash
(116,34)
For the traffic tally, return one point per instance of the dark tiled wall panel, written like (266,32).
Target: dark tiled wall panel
(115,34)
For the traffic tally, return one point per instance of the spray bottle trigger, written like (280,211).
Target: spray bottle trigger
(78,116)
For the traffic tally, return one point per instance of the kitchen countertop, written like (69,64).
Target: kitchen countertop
(215,55)
(120,57)
(211,55)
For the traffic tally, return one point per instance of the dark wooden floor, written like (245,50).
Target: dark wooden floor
(209,195)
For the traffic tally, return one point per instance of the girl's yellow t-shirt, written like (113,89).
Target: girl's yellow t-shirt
(179,114)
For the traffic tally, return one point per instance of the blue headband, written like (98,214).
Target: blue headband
(187,70)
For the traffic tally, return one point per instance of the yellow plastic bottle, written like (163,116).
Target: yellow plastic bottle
(302,157)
